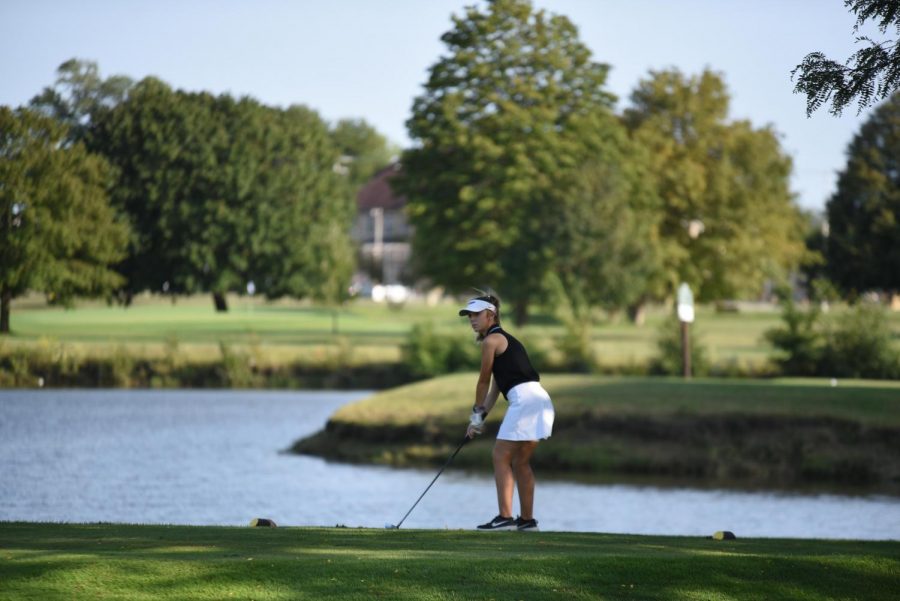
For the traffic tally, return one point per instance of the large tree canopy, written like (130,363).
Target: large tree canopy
(863,245)
(80,94)
(58,234)
(869,75)
(223,192)
(508,113)
(728,218)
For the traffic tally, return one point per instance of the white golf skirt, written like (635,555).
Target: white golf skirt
(529,415)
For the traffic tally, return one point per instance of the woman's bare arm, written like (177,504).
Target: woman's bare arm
(485,391)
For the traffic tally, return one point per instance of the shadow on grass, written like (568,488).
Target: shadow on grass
(52,561)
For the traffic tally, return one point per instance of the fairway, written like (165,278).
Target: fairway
(297,331)
(155,343)
(290,331)
(107,561)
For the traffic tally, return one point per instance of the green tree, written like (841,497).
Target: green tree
(798,342)
(870,74)
(363,150)
(863,244)
(164,145)
(513,107)
(312,210)
(728,217)
(812,270)
(58,233)
(80,94)
(222,192)
(611,253)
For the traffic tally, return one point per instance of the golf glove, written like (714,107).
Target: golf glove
(476,420)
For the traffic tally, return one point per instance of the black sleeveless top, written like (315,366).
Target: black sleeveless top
(513,366)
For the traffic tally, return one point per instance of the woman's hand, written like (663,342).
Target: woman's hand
(476,422)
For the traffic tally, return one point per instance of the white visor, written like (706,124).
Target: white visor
(477,306)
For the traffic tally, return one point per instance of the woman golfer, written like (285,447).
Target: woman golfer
(528,419)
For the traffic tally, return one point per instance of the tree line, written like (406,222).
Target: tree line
(522,175)
(522,171)
(114,187)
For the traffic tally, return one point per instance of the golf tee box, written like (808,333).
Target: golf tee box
(262,523)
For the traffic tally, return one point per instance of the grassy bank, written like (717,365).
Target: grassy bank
(734,433)
(51,561)
(57,365)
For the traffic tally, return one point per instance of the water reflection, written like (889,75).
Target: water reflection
(211,457)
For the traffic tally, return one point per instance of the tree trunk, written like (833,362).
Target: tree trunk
(520,312)
(219,301)
(637,312)
(5,300)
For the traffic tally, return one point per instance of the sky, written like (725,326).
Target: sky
(368,59)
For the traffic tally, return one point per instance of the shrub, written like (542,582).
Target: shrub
(859,345)
(576,348)
(429,353)
(20,368)
(165,369)
(121,367)
(799,343)
(237,368)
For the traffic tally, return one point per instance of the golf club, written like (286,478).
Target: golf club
(397,526)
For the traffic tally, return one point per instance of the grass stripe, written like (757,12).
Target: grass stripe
(55,561)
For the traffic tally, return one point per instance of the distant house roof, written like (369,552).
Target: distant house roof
(377,192)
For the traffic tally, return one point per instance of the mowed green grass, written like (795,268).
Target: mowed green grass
(449,398)
(56,561)
(283,331)
(289,330)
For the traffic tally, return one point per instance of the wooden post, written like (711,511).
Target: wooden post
(685,311)
(686,349)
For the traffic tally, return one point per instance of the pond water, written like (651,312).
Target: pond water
(214,458)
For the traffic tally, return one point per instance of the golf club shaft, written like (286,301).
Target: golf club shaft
(464,441)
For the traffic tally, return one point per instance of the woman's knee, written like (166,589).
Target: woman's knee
(521,463)
(502,454)
(521,459)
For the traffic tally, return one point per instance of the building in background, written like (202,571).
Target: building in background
(381,232)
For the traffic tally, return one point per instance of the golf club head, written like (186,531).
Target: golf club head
(391,527)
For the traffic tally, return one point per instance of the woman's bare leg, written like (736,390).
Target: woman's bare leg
(512,468)
(521,465)
(504,451)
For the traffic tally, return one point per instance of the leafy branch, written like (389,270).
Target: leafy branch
(869,75)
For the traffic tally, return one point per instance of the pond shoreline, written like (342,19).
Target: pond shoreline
(216,457)
(721,434)
(733,452)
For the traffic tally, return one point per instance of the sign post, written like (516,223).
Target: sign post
(251,290)
(686,317)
